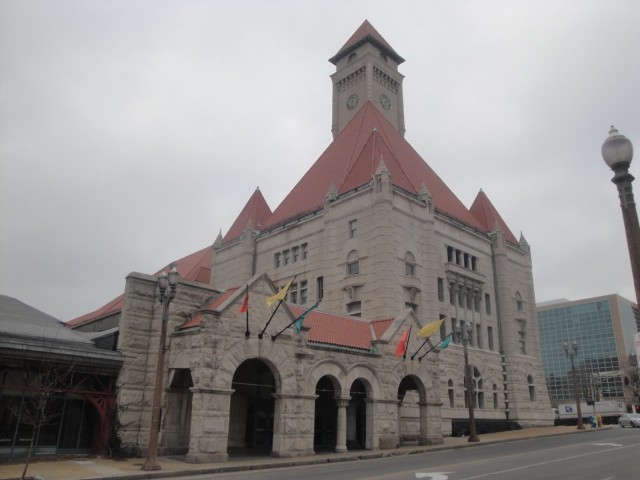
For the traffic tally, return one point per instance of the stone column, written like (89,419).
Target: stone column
(430,425)
(293,425)
(209,425)
(341,434)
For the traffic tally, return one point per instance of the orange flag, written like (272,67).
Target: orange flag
(245,304)
(401,347)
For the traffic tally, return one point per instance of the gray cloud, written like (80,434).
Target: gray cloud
(132,132)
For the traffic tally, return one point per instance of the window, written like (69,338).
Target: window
(458,255)
(443,331)
(354,308)
(303,251)
(532,388)
(466,260)
(469,299)
(490,337)
(495,396)
(487,303)
(293,293)
(353,228)
(474,263)
(295,253)
(412,306)
(285,257)
(440,290)
(522,339)
(320,287)
(450,254)
(276,260)
(455,337)
(452,294)
(479,335)
(353,263)
(409,264)
(478,389)
(476,301)
(303,292)
(519,302)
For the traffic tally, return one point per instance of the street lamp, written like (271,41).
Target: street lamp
(167,285)
(572,353)
(617,152)
(463,335)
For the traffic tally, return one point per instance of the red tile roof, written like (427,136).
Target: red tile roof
(366,33)
(195,267)
(488,216)
(255,211)
(213,305)
(354,156)
(342,331)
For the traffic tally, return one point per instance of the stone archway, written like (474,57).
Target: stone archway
(357,415)
(412,414)
(326,414)
(252,408)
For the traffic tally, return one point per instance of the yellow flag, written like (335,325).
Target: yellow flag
(280,295)
(430,329)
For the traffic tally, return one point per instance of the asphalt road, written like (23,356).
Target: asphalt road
(612,454)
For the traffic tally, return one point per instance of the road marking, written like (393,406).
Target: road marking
(523,467)
(608,444)
(434,475)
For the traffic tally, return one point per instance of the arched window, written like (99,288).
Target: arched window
(532,389)
(409,264)
(353,263)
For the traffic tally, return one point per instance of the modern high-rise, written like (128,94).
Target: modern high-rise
(606,364)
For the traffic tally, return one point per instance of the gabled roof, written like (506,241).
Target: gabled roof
(328,329)
(354,156)
(213,305)
(488,216)
(366,33)
(195,267)
(256,212)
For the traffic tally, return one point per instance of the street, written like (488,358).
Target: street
(610,454)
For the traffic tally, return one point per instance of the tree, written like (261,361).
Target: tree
(42,383)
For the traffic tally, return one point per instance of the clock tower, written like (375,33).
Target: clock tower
(367,70)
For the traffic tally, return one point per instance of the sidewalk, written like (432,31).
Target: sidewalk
(129,469)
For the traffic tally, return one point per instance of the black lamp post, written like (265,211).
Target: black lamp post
(617,152)
(463,335)
(572,353)
(167,285)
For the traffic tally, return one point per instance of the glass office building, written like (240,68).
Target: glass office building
(604,329)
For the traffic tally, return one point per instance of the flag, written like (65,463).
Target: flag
(300,320)
(445,343)
(430,329)
(401,346)
(280,295)
(245,304)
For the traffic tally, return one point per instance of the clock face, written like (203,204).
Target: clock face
(352,101)
(385,102)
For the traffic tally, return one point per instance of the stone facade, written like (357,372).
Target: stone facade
(376,252)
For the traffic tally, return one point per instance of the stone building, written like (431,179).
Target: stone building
(378,237)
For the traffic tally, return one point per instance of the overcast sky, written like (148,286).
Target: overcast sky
(132,132)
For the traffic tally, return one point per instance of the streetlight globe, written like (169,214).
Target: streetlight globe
(163,281)
(617,150)
(174,277)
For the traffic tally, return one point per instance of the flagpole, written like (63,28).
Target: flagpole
(247,333)
(404,355)
(419,348)
(273,337)
(434,347)
(261,334)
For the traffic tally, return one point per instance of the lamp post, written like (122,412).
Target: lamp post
(167,285)
(572,353)
(617,152)
(463,335)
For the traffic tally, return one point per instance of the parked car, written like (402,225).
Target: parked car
(629,420)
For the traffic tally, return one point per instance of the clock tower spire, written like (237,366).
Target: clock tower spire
(367,70)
